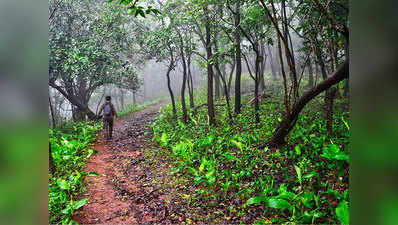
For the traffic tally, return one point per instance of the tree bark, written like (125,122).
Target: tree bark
(217,84)
(53,124)
(262,66)
(256,85)
(184,81)
(289,121)
(171,65)
(238,58)
(310,74)
(82,107)
(190,83)
(230,76)
(121,99)
(210,103)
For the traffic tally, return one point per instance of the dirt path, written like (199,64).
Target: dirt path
(124,193)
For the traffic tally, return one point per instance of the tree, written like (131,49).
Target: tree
(341,73)
(88,50)
(209,54)
(238,57)
(255,28)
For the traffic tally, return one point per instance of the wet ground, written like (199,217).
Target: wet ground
(125,192)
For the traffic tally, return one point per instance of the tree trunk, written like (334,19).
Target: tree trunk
(217,84)
(210,103)
(82,107)
(134,98)
(99,103)
(190,84)
(256,84)
(121,98)
(230,76)
(184,81)
(316,72)
(310,74)
(261,67)
(169,87)
(289,121)
(53,124)
(238,58)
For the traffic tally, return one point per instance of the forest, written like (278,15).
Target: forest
(227,112)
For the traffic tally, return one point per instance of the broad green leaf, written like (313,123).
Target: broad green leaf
(278,203)
(343,213)
(255,200)
(286,195)
(332,152)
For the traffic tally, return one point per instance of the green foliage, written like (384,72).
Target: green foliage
(223,162)
(333,152)
(71,146)
(343,213)
(136,10)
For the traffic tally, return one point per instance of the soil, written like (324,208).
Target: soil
(125,192)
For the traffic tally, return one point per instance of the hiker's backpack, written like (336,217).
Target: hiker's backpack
(108,112)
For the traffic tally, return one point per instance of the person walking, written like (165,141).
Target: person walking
(109,112)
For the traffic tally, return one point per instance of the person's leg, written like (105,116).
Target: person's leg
(110,127)
(106,129)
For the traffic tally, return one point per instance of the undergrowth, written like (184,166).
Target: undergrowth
(71,147)
(305,181)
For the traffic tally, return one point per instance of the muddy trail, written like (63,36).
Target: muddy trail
(129,189)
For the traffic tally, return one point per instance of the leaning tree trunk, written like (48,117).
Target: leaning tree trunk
(289,121)
(82,107)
